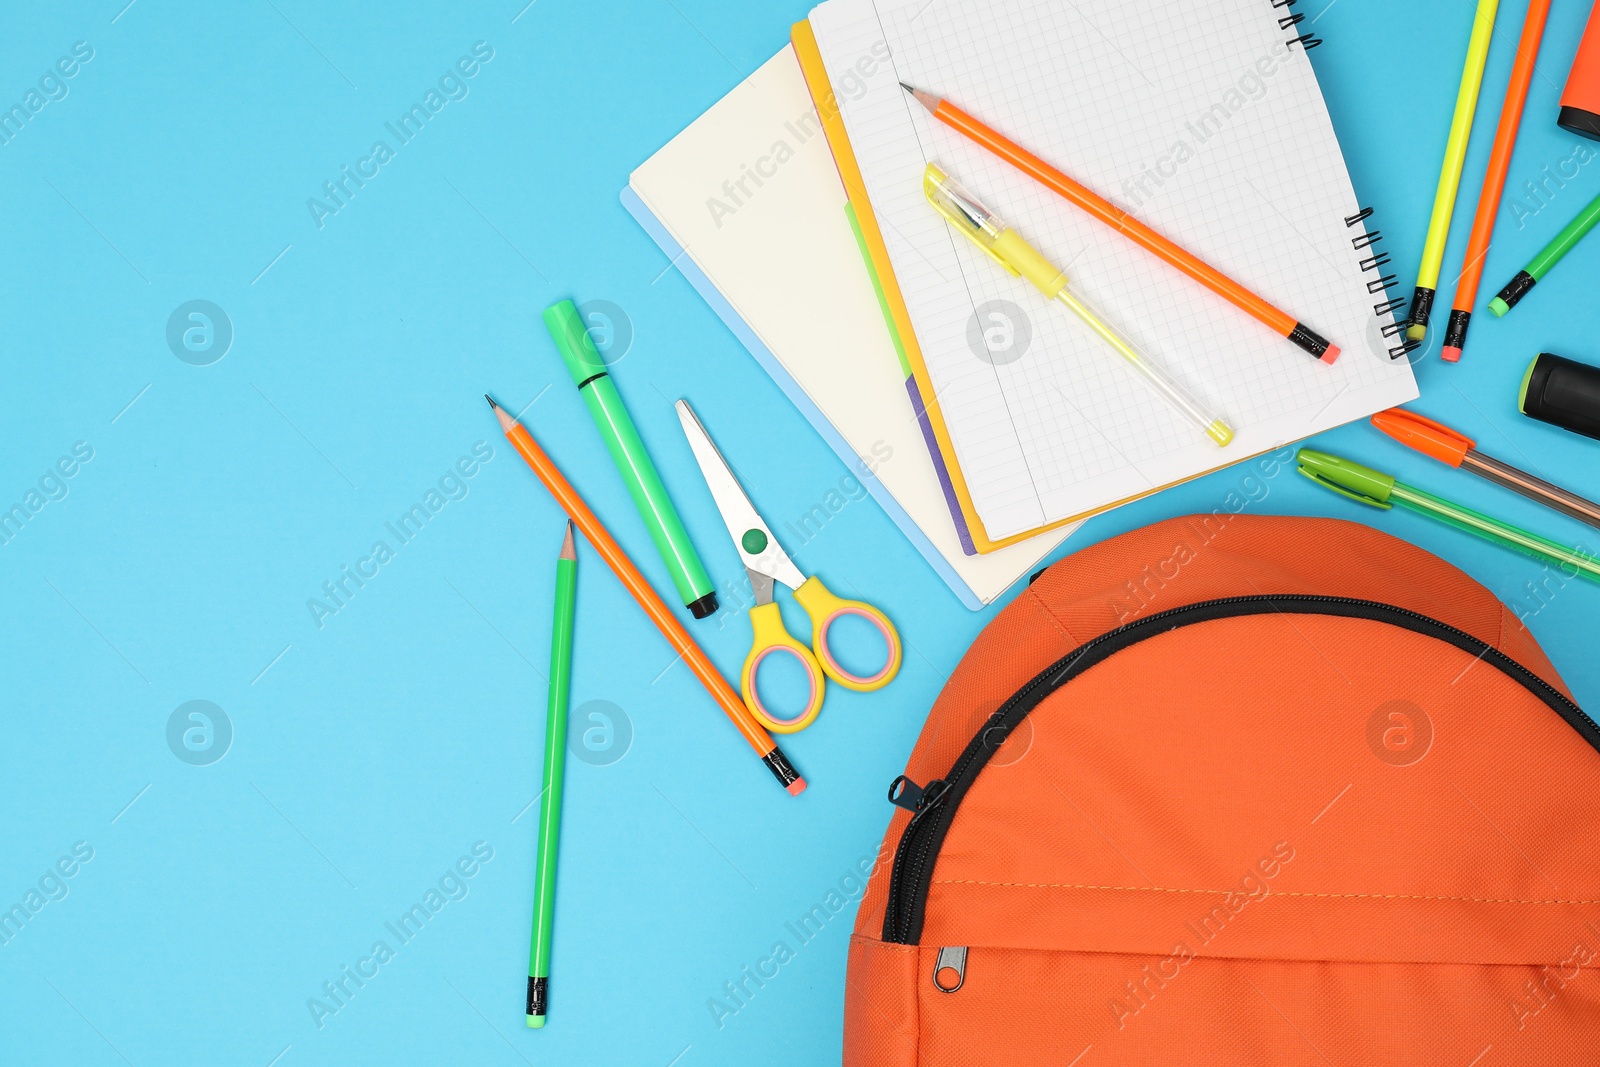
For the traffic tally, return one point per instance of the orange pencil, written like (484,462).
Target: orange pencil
(653,605)
(1126,224)
(1494,181)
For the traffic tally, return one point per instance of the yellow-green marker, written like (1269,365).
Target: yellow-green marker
(593,379)
(555,762)
(1455,155)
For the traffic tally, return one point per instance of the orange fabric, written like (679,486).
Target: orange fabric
(1206,850)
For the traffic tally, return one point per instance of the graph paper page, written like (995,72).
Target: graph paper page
(1198,119)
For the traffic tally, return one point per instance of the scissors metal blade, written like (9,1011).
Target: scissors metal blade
(757,547)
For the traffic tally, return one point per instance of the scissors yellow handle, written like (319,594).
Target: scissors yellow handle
(770,636)
(826,609)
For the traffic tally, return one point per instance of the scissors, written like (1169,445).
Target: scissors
(766,563)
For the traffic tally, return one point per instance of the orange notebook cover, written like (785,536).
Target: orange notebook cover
(805,47)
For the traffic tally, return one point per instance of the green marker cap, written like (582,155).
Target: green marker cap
(1346,477)
(572,340)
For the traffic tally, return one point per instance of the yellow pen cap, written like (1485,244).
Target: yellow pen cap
(1025,260)
(985,229)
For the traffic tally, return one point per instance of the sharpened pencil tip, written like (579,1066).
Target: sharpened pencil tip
(922,96)
(568,550)
(507,423)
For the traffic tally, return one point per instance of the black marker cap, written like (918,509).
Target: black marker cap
(1563,393)
(1579,121)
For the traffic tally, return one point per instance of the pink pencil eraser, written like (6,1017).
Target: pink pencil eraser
(1450,354)
(797,787)
(1330,355)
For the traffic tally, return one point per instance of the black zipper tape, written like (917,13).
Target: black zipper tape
(924,835)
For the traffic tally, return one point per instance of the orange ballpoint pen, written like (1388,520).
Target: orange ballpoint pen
(1457,449)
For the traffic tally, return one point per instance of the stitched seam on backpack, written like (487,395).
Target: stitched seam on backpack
(1049,613)
(876,943)
(1275,893)
(1511,628)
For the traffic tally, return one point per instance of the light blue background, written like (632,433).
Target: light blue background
(369,754)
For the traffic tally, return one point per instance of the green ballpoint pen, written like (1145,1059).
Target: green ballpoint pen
(1382,491)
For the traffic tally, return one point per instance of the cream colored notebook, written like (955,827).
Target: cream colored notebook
(748,204)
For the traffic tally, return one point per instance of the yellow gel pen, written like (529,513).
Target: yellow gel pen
(1007,248)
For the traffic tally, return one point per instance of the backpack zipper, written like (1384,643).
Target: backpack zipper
(936,805)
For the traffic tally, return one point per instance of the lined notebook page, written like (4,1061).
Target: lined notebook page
(1200,121)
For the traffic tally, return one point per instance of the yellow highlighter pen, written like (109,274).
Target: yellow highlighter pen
(1007,248)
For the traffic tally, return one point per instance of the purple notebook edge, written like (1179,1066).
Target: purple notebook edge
(945,484)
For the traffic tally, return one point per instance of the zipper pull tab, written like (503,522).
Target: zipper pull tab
(904,793)
(950,969)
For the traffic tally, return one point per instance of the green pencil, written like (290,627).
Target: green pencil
(555,761)
(1534,272)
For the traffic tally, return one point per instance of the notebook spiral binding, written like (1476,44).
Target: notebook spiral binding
(1381,284)
(1306,41)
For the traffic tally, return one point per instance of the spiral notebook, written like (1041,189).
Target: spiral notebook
(1205,121)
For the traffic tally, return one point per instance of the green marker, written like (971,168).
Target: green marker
(1535,271)
(555,763)
(1381,491)
(593,380)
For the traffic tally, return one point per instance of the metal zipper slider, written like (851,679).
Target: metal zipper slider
(950,969)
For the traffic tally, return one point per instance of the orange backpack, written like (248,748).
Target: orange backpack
(1234,791)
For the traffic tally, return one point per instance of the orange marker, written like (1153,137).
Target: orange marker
(653,605)
(1126,224)
(1494,181)
(1458,450)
